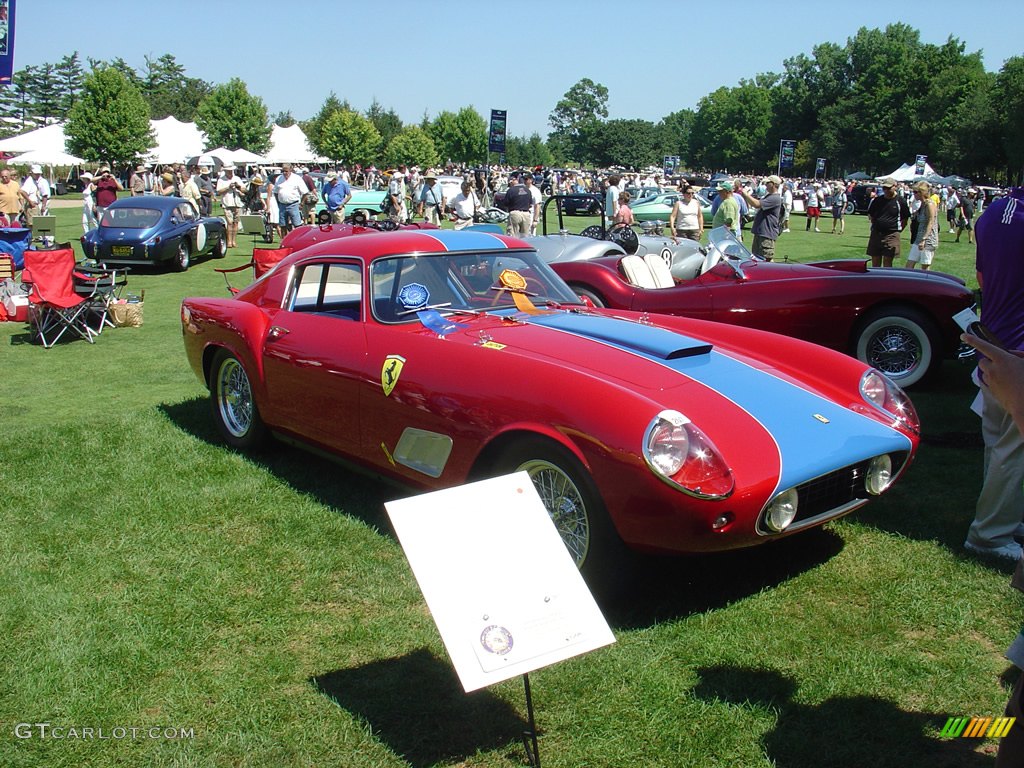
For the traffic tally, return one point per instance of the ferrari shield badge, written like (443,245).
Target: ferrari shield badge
(390,372)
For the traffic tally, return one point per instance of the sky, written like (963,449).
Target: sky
(418,58)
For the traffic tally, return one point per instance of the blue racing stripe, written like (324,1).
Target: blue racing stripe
(465,241)
(808,447)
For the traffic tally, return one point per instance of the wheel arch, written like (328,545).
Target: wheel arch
(489,455)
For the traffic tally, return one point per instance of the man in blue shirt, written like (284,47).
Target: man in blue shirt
(336,193)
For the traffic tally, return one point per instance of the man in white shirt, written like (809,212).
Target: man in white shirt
(37,192)
(537,200)
(288,190)
(465,205)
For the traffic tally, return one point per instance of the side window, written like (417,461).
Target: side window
(185,212)
(330,288)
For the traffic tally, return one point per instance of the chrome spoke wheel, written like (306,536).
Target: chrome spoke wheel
(894,351)
(234,398)
(564,503)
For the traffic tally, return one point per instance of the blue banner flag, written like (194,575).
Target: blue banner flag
(496,136)
(922,161)
(6,41)
(787,153)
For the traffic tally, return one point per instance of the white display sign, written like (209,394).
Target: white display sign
(504,592)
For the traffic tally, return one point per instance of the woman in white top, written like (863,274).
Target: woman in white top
(687,217)
(88,203)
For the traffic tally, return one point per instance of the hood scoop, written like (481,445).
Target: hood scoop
(645,339)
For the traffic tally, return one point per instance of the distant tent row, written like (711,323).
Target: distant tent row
(175,142)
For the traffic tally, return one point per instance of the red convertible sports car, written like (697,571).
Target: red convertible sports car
(439,357)
(896,320)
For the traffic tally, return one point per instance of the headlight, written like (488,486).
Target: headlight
(684,457)
(884,395)
(879,476)
(781,511)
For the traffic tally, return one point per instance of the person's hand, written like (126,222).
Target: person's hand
(1002,372)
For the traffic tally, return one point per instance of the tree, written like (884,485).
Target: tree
(730,130)
(674,134)
(461,137)
(284,119)
(412,146)
(169,91)
(46,94)
(575,117)
(632,143)
(313,128)
(19,102)
(233,118)
(349,137)
(1008,96)
(110,121)
(527,152)
(69,80)
(387,122)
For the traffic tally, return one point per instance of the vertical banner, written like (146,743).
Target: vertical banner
(670,165)
(496,136)
(819,167)
(922,161)
(6,41)
(787,153)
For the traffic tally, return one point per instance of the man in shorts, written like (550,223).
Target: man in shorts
(889,215)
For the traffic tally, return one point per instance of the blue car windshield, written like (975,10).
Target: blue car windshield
(130,218)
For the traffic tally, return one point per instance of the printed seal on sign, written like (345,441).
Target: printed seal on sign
(497,640)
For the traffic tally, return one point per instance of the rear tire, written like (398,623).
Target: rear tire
(574,505)
(901,342)
(234,409)
(222,248)
(183,257)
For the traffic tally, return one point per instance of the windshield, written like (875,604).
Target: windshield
(724,241)
(451,282)
(130,218)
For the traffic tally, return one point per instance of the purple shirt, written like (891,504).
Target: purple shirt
(1000,260)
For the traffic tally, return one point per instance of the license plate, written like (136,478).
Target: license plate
(121,250)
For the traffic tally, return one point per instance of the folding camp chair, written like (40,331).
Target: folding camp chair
(101,286)
(263,260)
(54,306)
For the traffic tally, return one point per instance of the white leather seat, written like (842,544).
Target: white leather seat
(637,272)
(659,271)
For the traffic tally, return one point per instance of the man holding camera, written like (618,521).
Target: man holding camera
(107,187)
(230,189)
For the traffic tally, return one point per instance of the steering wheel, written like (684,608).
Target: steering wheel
(626,238)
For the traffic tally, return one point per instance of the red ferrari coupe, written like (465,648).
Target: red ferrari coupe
(438,357)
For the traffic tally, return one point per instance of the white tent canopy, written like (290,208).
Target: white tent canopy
(45,157)
(175,141)
(289,145)
(908,172)
(49,138)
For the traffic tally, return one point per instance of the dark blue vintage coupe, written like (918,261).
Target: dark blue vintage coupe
(148,230)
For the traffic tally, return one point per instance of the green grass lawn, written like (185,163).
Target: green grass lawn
(152,578)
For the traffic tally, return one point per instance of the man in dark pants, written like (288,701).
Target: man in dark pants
(889,215)
(519,202)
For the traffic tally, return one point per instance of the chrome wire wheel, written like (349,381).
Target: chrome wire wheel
(234,398)
(564,503)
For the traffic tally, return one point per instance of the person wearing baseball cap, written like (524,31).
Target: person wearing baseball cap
(768,219)
(37,194)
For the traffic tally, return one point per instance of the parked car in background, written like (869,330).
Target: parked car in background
(896,320)
(436,358)
(659,207)
(154,230)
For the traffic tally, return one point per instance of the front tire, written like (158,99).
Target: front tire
(574,505)
(183,257)
(222,248)
(901,343)
(850,208)
(234,409)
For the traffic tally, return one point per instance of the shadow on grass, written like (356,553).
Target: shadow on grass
(655,588)
(334,485)
(842,731)
(415,705)
(667,588)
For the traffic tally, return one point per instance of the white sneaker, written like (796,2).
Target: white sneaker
(951,232)
(785,230)
(817,230)
(1011,551)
